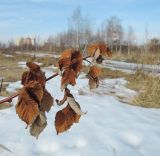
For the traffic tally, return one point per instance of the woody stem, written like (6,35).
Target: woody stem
(9,99)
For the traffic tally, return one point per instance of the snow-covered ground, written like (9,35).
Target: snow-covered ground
(130,67)
(22,64)
(110,128)
(38,54)
(8,56)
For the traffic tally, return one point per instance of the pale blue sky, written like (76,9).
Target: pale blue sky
(43,17)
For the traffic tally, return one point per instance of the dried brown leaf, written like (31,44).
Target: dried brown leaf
(66,53)
(47,102)
(75,106)
(93,75)
(65,118)
(38,125)
(95,71)
(68,77)
(33,66)
(64,63)
(93,83)
(38,76)
(28,102)
(104,49)
(77,60)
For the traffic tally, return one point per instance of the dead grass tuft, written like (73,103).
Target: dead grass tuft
(135,57)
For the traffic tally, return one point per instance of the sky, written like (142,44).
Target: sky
(48,17)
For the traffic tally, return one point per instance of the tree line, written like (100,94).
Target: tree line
(80,33)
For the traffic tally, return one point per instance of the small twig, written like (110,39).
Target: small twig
(86,57)
(88,61)
(51,77)
(9,99)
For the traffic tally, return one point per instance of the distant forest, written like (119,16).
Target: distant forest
(80,33)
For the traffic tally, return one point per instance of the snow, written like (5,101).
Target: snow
(38,54)
(13,86)
(22,64)
(8,56)
(130,67)
(110,128)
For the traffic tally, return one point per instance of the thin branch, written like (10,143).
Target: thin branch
(86,57)
(88,61)
(9,99)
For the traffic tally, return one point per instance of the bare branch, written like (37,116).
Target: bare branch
(9,99)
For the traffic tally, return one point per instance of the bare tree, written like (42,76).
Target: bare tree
(79,29)
(114,32)
(130,38)
(37,43)
(76,25)
(146,39)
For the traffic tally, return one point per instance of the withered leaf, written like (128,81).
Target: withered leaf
(93,83)
(38,125)
(65,118)
(66,53)
(28,102)
(95,71)
(77,60)
(64,64)
(68,77)
(75,106)
(35,74)
(47,102)
(93,75)
(33,66)
(104,49)
(65,59)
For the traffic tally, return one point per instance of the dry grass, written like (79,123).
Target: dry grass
(142,58)
(10,71)
(149,91)
(148,86)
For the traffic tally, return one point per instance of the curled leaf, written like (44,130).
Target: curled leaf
(95,71)
(93,75)
(66,53)
(99,59)
(38,125)
(97,53)
(71,59)
(65,59)
(97,56)
(75,106)
(33,66)
(77,60)
(28,102)
(93,83)
(61,102)
(103,48)
(64,64)
(70,64)
(68,77)
(34,74)
(47,102)
(105,51)
(65,118)
(70,114)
